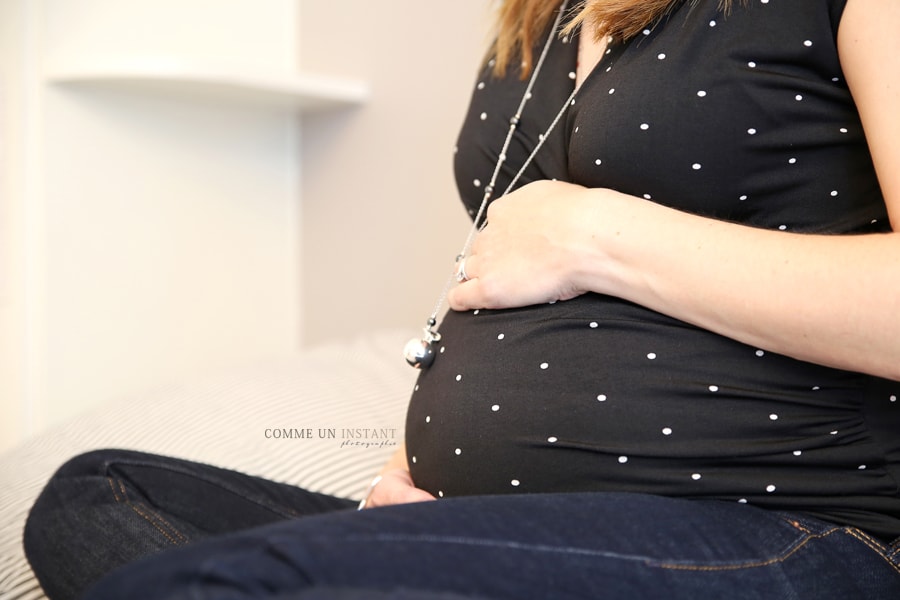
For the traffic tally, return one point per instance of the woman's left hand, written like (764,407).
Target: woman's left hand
(535,249)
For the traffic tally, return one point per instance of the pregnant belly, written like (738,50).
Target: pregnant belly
(600,394)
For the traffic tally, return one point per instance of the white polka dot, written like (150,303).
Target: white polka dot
(807,43)
(572,75)
(648,197)
(834,193)
(714,388)
(701,93)
(602,398)
(751,131)
(576,129)
(480,85)
(760,353)
(862,467)
(798,97)
(415,460)
(771,488)
(612,91)
(458,451)
(712,23)
(667,431)
(443,349)
(843,130)
(751,64)
(428,419)
(773,417)
(492,62)
(545,366)
(477,183)
(792,161)
(816,388)
(645,126)
(646,32)
(515,483)
(783,227)
(798,452)
(696,166)
(483,116)
(459,377)
(765,1)
(623,460)
(893,398)
(495,408)
(595,325)
(476,312)
(696,476)
(835,432)
(440,494)
(742,198)
(553,440)
(651,356)
(742,501)
(598,162)
(501,336)
(661,56)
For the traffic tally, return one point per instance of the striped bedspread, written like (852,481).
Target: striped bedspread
(326,419)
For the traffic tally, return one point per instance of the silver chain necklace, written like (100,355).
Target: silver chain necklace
(420,353)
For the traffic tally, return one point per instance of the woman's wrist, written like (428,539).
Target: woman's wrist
(368,494)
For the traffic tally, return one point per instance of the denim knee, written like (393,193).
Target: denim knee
(67,524)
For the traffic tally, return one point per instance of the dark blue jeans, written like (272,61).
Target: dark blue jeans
(586,545)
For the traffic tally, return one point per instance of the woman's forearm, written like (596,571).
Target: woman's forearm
(833,300)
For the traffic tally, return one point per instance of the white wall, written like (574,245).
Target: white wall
(149,236)
(382,219)
(13,413)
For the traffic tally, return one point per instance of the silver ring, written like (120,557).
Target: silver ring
(461,271)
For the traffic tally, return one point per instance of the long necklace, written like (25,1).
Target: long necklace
(420,353)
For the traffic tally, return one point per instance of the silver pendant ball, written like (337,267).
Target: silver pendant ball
(419,353)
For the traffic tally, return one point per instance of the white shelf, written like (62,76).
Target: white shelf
(301,92)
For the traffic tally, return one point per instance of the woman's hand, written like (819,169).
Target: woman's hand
(535,249)
(394,487)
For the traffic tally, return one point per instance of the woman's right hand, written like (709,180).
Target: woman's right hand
(394,486)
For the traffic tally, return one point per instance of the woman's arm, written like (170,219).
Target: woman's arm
(833,300)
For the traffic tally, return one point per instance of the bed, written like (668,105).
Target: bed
(325,419)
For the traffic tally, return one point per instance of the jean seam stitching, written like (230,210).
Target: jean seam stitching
(790,551)
(169,531)
(280,511)
(875,545)
(112,488)
(786,554)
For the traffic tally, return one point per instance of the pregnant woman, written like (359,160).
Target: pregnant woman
(672,364)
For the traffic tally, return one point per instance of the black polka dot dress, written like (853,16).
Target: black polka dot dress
(744,117)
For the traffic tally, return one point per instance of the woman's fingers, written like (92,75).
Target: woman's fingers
(394,487)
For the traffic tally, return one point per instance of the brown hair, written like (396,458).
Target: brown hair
(520,22)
